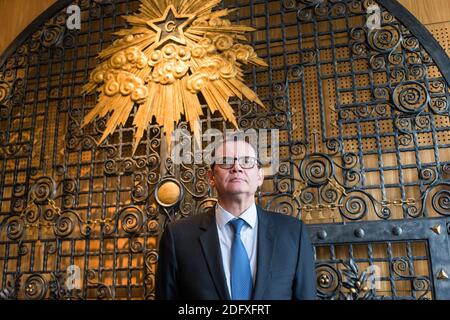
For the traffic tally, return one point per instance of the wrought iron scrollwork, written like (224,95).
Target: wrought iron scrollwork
(419,283)
(5,111)
(64,195)
(35,287)
(59,291)
(103,291)
(42,212)
(345,284)
(5,89)
(131,219)
(393,48)
(410,97)
(11,290)
(319,189)
(328,281)
(150,259)
(438,195)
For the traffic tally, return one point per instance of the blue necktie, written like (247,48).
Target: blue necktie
(241,274)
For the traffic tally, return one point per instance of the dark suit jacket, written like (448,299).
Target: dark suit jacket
(190,262)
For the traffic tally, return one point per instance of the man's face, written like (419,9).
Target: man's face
(236,180)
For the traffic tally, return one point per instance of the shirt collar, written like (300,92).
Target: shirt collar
(223,216)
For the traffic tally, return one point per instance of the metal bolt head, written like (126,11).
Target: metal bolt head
(359,233)
(322,234)
(396,231)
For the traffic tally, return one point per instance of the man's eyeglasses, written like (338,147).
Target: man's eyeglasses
(228,162)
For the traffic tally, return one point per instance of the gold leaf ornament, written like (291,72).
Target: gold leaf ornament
(174,51)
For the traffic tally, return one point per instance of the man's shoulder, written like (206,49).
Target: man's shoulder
(193,221)
(281,218)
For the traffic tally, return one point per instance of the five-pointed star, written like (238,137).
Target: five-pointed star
(170,26)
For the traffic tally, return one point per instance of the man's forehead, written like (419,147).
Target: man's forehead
(234,148)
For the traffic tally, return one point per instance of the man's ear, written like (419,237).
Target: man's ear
(210,175)
(260,177)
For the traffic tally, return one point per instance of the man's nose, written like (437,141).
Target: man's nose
(236,167)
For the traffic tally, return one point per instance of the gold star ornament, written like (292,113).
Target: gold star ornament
(170,27)
(174,52)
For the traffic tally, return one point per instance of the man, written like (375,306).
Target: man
(236,250)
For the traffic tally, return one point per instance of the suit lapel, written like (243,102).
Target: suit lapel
(266,241)
(211,250)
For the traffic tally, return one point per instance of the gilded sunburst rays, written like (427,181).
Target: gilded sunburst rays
(174,51)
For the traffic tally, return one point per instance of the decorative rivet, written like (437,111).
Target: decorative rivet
(359,233)
(322,234)
(324,279)
(397,231)
(442,275)
(436,229)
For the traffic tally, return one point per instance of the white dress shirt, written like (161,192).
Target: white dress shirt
(249,234)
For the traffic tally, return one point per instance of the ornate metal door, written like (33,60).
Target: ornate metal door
(363,122)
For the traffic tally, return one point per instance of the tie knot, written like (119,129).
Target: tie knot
(237,225)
